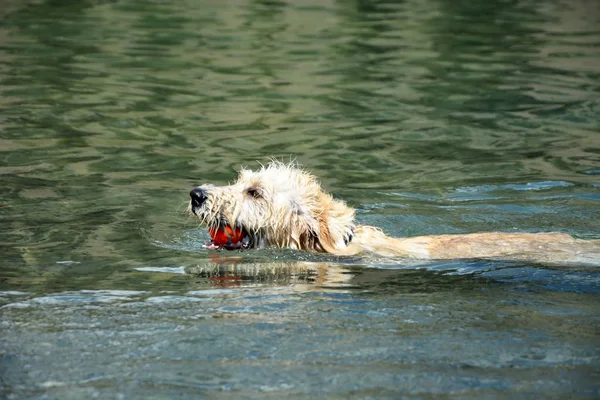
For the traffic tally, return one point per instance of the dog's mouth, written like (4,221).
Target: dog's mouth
(222,234)
(225,237)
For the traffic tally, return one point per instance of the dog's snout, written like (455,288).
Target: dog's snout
(198,196)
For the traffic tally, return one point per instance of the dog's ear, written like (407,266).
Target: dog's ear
(335,225)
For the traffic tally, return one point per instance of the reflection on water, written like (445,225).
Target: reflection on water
(429,117)
(376,333)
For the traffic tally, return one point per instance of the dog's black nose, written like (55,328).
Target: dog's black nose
(198,196)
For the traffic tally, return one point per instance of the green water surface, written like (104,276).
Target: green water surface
(428,117)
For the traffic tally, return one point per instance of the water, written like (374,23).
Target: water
(427,117)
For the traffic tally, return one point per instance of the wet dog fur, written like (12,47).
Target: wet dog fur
(281,205)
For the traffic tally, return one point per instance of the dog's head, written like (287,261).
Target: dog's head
(280,205)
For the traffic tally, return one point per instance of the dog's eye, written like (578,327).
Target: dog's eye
(253,192)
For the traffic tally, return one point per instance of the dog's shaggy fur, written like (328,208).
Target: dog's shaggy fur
(283,206)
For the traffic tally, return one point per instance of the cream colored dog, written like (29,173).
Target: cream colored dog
(283,206)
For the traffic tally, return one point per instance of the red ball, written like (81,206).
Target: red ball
(226,235)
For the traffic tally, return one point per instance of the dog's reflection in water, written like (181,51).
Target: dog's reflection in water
(225,270)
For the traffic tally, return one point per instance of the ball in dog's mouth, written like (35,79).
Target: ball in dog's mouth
(225,237)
